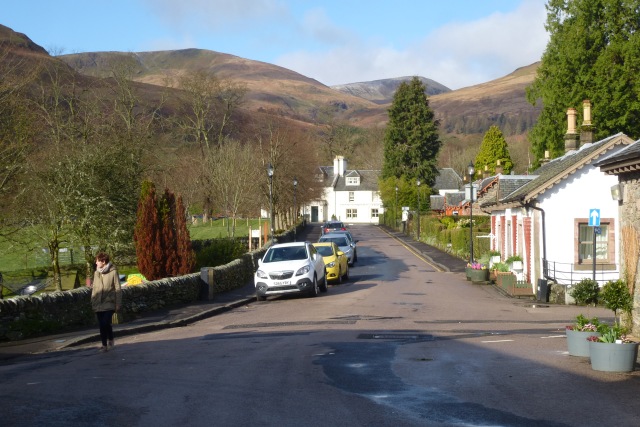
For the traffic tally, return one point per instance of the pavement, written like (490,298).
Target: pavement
(186,314)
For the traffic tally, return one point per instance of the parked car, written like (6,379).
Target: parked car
(290,268)
(335,261)
(330,226)
(345,244)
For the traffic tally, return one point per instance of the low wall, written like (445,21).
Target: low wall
(54,312)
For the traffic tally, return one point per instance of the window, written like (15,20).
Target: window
(352,213)
(352,196)
(374,213)
(605,245)
(353,180)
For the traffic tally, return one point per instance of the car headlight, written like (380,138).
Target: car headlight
(331,264)
(261,274)
(347,250)
(303,270)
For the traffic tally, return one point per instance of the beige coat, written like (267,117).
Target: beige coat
(106,293)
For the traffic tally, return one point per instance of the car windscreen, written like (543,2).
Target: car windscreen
(292,253)
(325,250)
(340,241)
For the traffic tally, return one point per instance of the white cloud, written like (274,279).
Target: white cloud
(456,55)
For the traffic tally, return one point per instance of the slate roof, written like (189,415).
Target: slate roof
(625,160)
(560,168)
(454,199)
(447,179)
(437,202)
(368,179)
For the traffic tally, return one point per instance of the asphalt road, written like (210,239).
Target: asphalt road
(400,344)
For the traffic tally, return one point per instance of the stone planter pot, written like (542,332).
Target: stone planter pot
(577,343)
(613,357)
(517,265)
(478,275)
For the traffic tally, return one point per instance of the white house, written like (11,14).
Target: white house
(550,220)
(349,195)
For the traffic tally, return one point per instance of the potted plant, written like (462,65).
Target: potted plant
(494,257)
(612,351)
(579,332)
(616,296)
(477,272)
(505,279)
(515,261)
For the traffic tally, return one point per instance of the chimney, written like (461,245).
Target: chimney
(499,168)
(571,138)
(546,158)
(586,130)
(339,165)
(485,172)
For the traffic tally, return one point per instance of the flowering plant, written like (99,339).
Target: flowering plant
(611,334)
(584,324)
(477,266)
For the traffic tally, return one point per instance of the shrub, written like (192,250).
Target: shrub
(616,296)
(219,252)
(501,266)
(586,292)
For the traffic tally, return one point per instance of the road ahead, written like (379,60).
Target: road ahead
(400,344)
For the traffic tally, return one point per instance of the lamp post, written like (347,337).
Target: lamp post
(395,210)
(418,184)
(295,212)
(270,175)
(471,171)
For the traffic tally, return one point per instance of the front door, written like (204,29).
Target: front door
(314,214)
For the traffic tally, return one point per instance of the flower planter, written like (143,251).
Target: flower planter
(478,275)
(505,280)
(517,265)
(612,357)
(577,343)
(468,271)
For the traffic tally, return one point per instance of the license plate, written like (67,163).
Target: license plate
(281,282)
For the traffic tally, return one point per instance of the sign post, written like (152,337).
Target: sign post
(594,221)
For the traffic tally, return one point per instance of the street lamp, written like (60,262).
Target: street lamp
(471,171)
(295,213)
(418,184)
(270,175)
(395,210)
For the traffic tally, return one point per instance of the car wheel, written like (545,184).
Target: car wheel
(315,291)
(355,256)
(340,276)
(261,298)
(346,274)
(324,287)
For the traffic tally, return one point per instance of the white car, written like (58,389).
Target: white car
(290,268)
(344,242)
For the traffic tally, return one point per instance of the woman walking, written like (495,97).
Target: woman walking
(105,297)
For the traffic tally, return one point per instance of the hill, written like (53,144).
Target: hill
(382,91)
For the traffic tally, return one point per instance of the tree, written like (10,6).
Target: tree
(186,257)
(147,234)
(493,148)
(593,53)
(411,141)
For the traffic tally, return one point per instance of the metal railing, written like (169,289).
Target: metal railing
(566,274)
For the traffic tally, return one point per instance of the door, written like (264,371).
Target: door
(314,214)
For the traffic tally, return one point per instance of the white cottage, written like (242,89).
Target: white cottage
(349,195)
(549,221)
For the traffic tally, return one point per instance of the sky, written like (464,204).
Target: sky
(457,43)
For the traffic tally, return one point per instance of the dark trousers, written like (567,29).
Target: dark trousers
(104,321)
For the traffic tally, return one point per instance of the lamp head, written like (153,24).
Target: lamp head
(270,170)
(295,182)
(471,171)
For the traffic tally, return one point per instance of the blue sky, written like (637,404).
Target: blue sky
(455,42)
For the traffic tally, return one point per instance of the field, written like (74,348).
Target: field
(21,263)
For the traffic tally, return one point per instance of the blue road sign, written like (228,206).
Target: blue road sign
(594,217)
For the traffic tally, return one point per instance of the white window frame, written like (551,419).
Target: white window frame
(352,213)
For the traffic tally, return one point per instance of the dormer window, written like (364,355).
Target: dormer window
(353,180)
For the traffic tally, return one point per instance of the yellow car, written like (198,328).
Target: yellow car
(335,261)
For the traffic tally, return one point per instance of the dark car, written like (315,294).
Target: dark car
(330,226)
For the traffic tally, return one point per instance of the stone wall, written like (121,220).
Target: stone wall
(630,217)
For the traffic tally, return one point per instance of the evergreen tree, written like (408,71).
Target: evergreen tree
(411,141)
(186,257)
(167,210)
(493,148)
(147,234)
(593,53)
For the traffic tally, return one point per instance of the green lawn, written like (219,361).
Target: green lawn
(222,228)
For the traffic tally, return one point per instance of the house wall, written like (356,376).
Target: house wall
(363,201)
(573,199)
